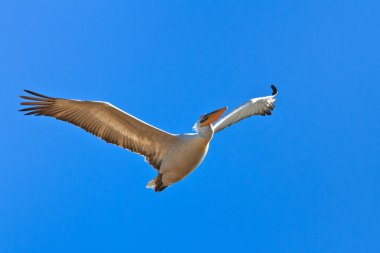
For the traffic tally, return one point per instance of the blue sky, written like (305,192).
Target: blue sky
(305,179)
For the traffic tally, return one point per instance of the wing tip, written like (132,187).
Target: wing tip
(274,90)
(34,103)
(37,94)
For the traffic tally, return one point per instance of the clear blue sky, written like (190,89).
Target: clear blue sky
(305,179)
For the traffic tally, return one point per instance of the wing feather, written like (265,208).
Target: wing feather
(106,122)
(256,106)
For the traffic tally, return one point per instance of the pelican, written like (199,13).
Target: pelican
(173,156)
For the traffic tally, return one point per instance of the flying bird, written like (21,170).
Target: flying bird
(173,156)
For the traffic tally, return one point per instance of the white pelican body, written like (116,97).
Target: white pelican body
(173,156)
(185,155)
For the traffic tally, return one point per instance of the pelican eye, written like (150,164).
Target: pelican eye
(204,118)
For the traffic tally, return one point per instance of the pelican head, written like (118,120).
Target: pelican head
(203,125)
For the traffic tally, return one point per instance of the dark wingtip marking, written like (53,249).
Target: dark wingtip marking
(32,98)
(35,103)
(36,94)
(274,90)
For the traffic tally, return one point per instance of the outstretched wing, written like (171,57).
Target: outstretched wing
(105,121)
(256,106)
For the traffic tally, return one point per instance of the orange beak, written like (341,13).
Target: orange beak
(212,116)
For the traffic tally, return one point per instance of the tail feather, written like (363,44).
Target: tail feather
(156,184)
(151,183)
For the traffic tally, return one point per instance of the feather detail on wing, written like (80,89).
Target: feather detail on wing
(107,122)
(256,106)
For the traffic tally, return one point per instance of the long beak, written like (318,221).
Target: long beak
(212,116)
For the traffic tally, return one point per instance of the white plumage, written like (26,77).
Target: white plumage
(255,106)
(173,156)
